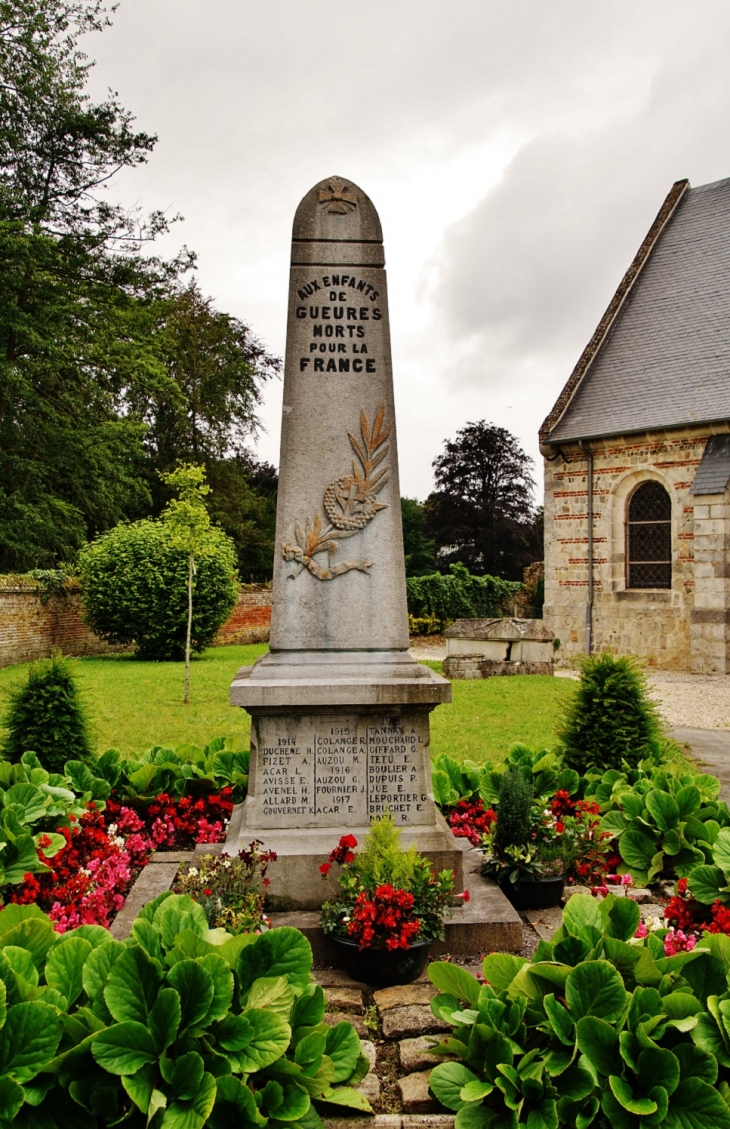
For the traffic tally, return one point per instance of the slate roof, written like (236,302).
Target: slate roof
(713,473)
(661,354)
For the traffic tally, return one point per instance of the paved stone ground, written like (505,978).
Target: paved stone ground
(711,748)
(397,1028)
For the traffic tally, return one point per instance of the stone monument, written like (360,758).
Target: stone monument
(340,710)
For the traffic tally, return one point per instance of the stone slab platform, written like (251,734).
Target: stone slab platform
(157,877)
(487,923)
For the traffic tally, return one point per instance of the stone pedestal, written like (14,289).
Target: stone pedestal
(339,708)
(328,754)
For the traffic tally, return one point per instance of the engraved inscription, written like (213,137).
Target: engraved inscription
(342,769)
(334,313)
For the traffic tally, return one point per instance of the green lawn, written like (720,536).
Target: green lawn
(486,716)
(133,705)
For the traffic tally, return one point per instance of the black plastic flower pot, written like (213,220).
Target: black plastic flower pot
(383,967)
(537,893)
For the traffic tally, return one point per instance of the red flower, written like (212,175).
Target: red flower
(325,868)
(342,853)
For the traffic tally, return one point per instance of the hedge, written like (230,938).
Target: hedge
(459,595)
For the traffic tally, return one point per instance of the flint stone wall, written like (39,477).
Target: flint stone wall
(685,627)
(31,627)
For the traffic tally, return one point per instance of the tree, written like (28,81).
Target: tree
(78,296)
(420,551)
(482,511)
(217,366)
(243,503)
(188,524)
(135,589)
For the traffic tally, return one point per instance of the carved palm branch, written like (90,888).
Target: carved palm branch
(369,454)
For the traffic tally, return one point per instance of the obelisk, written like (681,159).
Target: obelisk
(340,710)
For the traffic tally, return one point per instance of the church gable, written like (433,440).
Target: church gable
(660,357)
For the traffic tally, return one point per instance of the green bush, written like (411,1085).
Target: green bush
(515,809)
(599,1029)
(179,1026)
(46,716)
(135,589)
(426,625)
(458,595)
(609,720)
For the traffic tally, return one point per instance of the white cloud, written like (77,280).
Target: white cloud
(517,154)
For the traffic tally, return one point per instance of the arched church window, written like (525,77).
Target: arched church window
(649,537)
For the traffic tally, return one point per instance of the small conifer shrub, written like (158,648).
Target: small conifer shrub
(514,820)
(610,719)
(46,717)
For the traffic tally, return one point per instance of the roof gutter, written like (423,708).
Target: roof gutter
(589,605)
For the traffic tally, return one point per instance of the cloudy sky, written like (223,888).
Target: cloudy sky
(517,152)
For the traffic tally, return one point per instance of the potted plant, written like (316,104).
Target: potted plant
(525,856)
(387,908)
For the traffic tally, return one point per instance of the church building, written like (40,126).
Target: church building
(637,455)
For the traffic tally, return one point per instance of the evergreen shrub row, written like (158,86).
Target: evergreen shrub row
(459,595)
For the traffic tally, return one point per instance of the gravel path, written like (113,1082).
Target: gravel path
(687,701)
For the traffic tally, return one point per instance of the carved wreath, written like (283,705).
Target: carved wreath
(350,503)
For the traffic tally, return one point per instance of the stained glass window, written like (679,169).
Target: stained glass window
(649,537)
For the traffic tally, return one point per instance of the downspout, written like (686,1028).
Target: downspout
(589,606)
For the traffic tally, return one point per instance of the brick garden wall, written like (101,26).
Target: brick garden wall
(31,628)
(251,618)
(682,628)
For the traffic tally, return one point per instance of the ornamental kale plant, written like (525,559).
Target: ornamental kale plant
(185,771)
(599,1029)
(665,822)
(178,1026)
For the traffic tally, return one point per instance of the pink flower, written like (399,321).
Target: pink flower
(642,930)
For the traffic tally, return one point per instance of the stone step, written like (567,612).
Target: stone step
(486,923)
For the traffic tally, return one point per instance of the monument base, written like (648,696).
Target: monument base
(336,740)
(296,881)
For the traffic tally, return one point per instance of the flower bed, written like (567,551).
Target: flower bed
(75,842)
(656,822)
(88,879)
